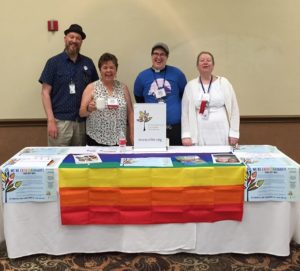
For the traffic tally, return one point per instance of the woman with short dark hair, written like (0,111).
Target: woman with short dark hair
(107,105)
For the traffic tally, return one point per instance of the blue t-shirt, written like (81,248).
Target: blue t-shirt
(172,80)
(59,72)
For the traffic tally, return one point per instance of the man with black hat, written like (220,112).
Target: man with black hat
(163,83)
(63,80)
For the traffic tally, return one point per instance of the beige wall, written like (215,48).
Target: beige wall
(256,44)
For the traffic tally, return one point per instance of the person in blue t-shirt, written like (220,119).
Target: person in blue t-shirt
(163,83)
(63,80)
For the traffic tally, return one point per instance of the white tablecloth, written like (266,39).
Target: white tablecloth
(267,227)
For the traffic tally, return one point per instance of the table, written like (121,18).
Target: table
(267,227)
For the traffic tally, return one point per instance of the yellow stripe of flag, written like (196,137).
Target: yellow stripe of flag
(151,177)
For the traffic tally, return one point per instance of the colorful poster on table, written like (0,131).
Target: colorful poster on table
(272,184)
(271,175)
(150,126)
(191,189)
(30,178)
(29,184)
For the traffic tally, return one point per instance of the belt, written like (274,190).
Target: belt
(78,119)
(169,127)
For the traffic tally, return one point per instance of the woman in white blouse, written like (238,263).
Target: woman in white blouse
(210,112)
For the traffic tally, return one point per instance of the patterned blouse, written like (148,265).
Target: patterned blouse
(105,125)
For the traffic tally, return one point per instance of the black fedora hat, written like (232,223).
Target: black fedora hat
(77,29)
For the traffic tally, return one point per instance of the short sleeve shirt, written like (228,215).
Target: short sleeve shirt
(59,72)
(172,80)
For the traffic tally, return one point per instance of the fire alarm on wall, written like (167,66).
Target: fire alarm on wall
(52,25)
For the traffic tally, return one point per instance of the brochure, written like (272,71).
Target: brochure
(147,162)
(225,159)
(87,158)
(190,160)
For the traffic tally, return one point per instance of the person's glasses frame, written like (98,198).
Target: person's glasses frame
(159,54)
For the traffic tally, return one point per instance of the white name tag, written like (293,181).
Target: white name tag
(205,114)
(160,93)
(72,88)
(112,103)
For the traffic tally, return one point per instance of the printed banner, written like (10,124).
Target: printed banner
(271,183)
(30,176)
(150,125)
(271,175)
(29,184)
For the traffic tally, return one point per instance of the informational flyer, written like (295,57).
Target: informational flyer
(190,160)
(48,151)
(271,175)
(272,184)
(225,159)
(87,158)
(29,184)
(147,162)
(150,126)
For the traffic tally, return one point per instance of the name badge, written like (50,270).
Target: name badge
(205,114)
(203,105)
(112,103)
(160,93)
(72,88)
(203,110)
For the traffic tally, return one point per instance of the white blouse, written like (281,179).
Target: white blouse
(223,118)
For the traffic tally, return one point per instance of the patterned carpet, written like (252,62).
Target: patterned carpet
(152,262)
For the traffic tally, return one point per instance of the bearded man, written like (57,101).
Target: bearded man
(63,80)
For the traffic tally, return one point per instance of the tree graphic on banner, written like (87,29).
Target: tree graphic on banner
(251,183)
(144,117)
(9,183)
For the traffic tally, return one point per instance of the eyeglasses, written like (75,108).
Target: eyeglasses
(159,54)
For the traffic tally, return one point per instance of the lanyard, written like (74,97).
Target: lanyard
(73,73)
(156,79)
(72,69)
(208,85)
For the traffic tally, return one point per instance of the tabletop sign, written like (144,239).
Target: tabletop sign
(150,126)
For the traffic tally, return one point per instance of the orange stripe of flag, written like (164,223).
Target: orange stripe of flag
(158,196)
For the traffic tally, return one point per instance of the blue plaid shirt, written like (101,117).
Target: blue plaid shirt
(59,72)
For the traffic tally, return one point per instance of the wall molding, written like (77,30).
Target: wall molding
(23,122)
(271,119)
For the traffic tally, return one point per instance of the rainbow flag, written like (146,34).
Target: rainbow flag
(109,193)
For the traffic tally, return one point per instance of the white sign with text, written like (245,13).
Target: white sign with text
(150,126)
